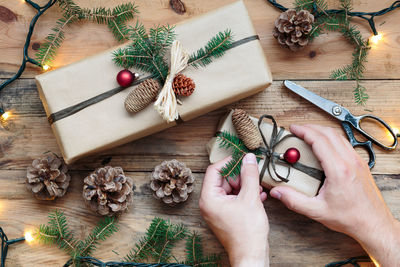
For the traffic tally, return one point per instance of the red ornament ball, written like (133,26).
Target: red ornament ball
(292,155)
(125,78)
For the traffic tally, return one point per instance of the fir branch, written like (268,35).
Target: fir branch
(143,249)
(215,48)
(360,95)
(194,253)
(53,41)
(173,234)
(239,150)
(115,19)
(105,228)
(58,226)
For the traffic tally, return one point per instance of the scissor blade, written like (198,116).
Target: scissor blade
(320,102)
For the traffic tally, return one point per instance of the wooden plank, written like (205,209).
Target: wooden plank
(294,239)
(30,135)
(328,52)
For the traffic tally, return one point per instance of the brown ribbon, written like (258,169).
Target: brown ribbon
(272,157)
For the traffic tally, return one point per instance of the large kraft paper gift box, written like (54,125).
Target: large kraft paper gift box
(298,180)
(241,72)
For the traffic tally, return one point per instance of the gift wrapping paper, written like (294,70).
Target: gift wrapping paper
(298,180)
(241,72)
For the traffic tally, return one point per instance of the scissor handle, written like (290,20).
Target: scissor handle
(355,121)
(367,144)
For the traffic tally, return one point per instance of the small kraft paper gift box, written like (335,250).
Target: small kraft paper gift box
(307,179)
(242,71)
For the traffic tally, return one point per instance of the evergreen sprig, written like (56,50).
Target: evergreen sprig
(115,19)
(56,232)
(147,50)
(215,48)
(195,255)
(340,22)
(155,246)
(239,150)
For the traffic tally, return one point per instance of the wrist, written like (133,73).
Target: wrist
(258,257)
(251,262)
(382,241)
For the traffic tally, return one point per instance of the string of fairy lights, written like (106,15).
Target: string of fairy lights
(4,115)
(5,243)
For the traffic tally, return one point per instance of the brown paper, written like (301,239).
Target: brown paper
(298,180)
(241,72)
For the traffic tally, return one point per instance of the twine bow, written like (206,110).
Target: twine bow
(166,103)
(272,157)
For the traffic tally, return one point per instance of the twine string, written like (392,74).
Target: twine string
(272,158)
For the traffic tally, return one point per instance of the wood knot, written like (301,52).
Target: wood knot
(35,46)
(178,6)
(7,15)
(312,54)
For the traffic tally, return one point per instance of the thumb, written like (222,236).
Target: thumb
(249,177)
(296,201)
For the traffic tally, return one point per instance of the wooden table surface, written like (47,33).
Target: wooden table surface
(294,239)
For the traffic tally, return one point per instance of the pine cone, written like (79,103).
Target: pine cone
(47,178)
(141,96)
(246,129)
(292,28)
(107,191)
(172,182)
(183,85)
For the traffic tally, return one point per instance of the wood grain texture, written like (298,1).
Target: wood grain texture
(327,53)
(30,134)
(294,239)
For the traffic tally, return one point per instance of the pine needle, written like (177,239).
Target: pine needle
(115,19)
(215,48)
(239,150)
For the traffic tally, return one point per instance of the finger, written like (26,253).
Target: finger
(226,186)
(234,182)
(343,149)
(297,201)
(263,196)
(213,179)
(261,189)
(321,146)
(249,177)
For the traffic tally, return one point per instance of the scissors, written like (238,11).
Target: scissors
(349,121)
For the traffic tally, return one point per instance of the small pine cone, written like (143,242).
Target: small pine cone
(246,129)
(292,28)
(183,85)
(172,182)
(107,191)
(47,178)
(141,96)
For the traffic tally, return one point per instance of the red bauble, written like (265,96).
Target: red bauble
(292,155)
(125,78)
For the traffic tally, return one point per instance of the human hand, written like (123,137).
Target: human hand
(235,213)
(349,201)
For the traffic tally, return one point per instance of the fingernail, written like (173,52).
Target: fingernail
(293,126)
(250,158)
(275,194)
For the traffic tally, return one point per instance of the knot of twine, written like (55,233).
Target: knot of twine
(166,103)
(272,157)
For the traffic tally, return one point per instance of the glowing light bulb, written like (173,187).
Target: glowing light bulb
(28,237)
(5,115)
(376,38)
(46,67)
